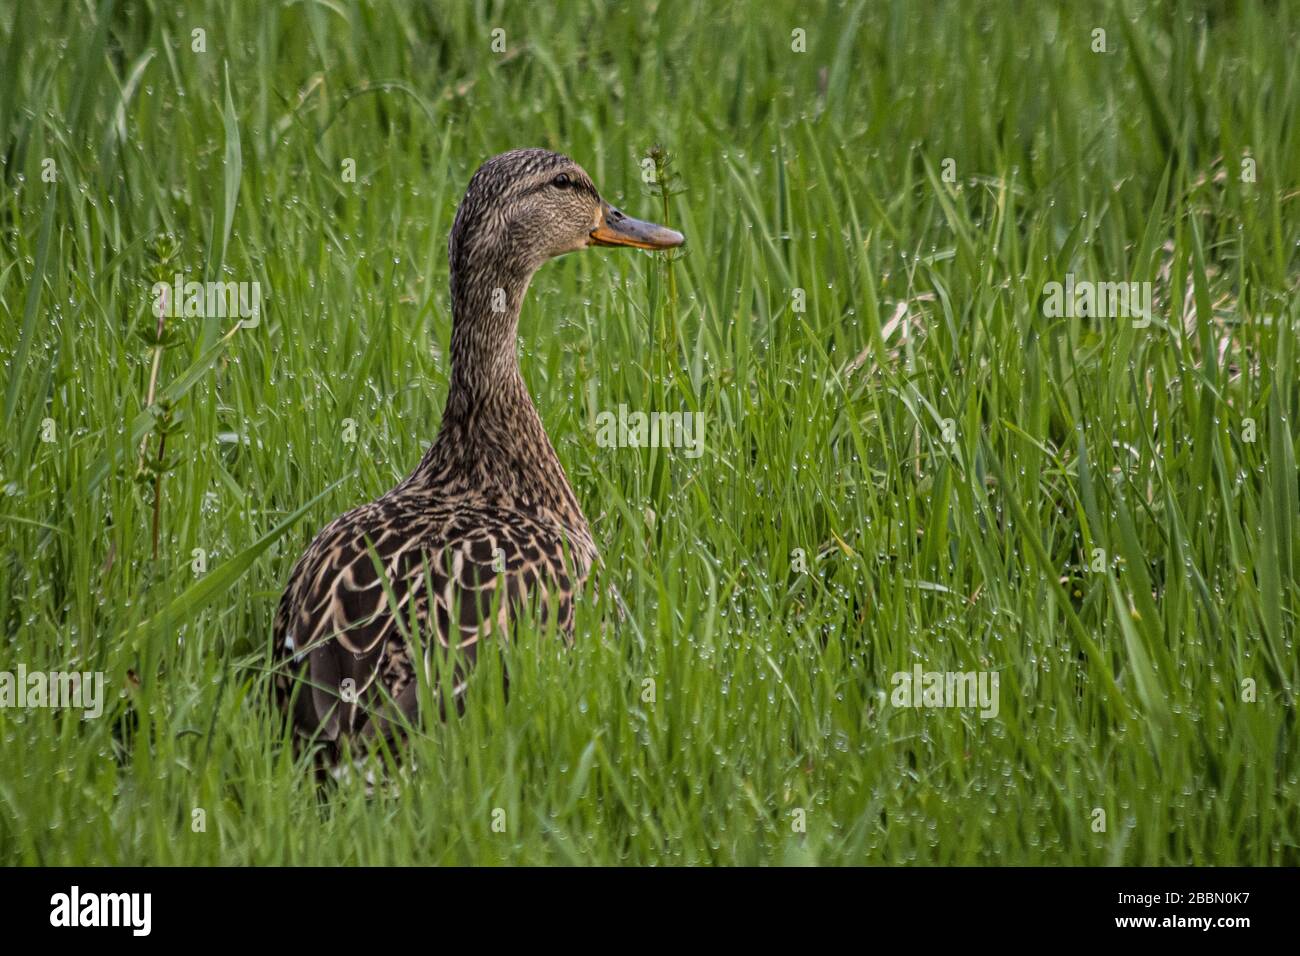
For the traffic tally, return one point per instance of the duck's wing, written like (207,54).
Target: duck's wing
(386,578)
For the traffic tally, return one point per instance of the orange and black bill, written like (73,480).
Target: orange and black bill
(616,229)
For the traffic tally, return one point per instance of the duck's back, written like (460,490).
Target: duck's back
(455,569)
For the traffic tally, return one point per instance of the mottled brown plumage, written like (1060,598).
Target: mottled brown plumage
(487,523)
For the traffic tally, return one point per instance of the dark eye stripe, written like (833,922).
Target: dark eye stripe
(566,181)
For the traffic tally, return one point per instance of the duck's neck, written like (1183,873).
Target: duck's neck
(486,385)
(491,440)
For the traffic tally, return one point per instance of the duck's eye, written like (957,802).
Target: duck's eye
(562,181)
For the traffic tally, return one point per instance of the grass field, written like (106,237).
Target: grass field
(909,458)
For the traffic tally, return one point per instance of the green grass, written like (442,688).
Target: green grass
(1170,447)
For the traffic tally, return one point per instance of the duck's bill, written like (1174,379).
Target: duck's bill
(617,229)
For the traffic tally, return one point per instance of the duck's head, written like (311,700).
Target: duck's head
(530,205)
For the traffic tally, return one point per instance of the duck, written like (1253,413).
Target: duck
(486,528)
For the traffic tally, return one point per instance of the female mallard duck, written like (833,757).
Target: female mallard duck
(487,520)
